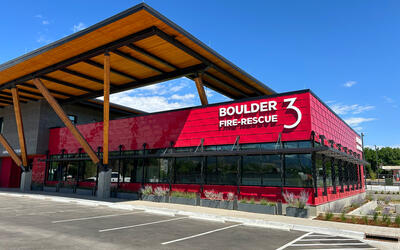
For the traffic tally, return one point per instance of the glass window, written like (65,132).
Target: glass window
(187,170)
(297,144)
(329,173)
(89,171)
(1,124)
(73,119)
(53,171)
(114,166)
(132,170)
(298,170)
(152,168)
(272,145)
(222,170)
(320,171)
(156,170)
(336,173)
(165,166)
(261,170)
(328,166)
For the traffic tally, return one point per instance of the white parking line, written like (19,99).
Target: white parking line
(293,241)
(46,212)
(140,225)
(325,236)
(198,235)
(316,239)
(28,206)
(95,217)
(352,248)
(329,244)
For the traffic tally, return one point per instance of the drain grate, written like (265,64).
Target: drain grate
(381,238)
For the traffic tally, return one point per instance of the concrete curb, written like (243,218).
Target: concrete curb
(371,205)
(193,215)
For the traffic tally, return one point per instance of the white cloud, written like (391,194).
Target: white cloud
(169,95)
(45,22)
(78,27)
(388,99)
(355,121)
(178,87)
(182,97)
(349,84)
(342,109)
(149,103)
(40,16)
(43,39)
(165,88)
(380,146)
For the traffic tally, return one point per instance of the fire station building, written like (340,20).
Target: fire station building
(56,136)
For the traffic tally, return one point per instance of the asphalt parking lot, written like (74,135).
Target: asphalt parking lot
(27,223)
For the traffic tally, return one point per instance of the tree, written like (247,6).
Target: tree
(385,156)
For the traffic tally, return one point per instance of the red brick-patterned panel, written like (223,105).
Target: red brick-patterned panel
(187,127)
(326,123)
(38,169)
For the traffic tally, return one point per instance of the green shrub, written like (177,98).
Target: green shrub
(328,216)
(375,218)
(244,201)
(267,203)
(382,192)
(365,219)
(343,217)
(252,201)
(376,192)
(353,219)
(369,197)
(397,220)
(386,219)
(187,195)
(147,190)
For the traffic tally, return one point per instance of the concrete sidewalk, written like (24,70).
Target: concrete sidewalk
(253,219)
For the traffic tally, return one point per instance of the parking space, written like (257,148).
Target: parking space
(27,223)
(323,241)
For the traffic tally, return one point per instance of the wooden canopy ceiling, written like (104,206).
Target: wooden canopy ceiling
(145,48)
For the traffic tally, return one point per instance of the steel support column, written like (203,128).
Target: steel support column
(333,172)
(325,193)
(347,171)
(341,176)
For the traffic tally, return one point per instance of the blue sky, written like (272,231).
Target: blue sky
(347,52)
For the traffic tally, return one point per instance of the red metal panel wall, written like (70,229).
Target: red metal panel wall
(10,173)
(326,123)
(38,169)
(187,127)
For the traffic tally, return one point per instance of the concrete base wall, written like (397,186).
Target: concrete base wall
(26,181)
(327,207)
(104,185)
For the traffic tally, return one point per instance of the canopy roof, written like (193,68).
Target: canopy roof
(145,48)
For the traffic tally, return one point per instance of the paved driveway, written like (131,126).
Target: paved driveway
(27,223)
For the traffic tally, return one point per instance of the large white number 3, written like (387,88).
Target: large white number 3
(290,106)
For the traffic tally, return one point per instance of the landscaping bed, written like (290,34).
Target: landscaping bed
(262,208)
(374,212)
(381,221)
